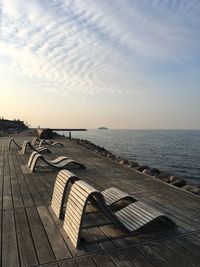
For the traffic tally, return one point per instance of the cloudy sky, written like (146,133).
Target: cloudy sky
(114,63)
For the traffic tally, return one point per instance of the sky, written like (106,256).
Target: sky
(132,64)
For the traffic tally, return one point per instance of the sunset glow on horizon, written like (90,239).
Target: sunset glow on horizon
(85,64)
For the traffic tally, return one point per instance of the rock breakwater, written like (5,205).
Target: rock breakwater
(154,172)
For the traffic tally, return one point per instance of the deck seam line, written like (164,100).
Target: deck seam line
(108,251)
(177,255)
(17,243)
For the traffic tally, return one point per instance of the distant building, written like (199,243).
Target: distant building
(12,125)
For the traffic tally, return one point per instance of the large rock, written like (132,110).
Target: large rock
(147,171)
(154,171)
(124,162)
(195,189)
(142,168)
(151,171)
(176,181)
(45,133)
(133,164)
(163,177)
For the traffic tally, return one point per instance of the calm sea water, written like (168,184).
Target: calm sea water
(174,151)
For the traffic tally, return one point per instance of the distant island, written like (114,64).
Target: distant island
(102,128)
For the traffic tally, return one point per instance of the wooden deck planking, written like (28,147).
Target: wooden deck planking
(182,252)
(25,192)
(98,234)
(103,260)
(40,239)
(10,256)
(26,195)
(154,258)
(75,252)
(137,258)
(32,235)
(16,193)
(38,201)
(58,245)
(120,259)
(172,258)
(85,262)
(7,194)
(27,251)
(41,181)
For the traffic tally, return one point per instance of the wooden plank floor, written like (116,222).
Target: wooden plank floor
(31,235)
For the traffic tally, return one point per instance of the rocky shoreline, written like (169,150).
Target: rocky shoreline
(154,172)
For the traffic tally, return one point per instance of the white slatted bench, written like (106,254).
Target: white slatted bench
(48,142)
(35,154)
(65,178)
(12,141)
(80,194)
(58,163)
(26,144)
(33,142)
(132,218)
(112,195)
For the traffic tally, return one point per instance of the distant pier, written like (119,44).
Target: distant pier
(47,133)
(69,130)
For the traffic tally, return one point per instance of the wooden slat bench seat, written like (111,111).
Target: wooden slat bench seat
(12,141)
(58,163)
(34,141)
(49,142)
(78,198)
(136,215)
(63,180)
(113,195)
(66,178)
(27,144)
(55,161)
(132,218)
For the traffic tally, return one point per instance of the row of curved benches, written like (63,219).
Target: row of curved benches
(71,196)
(36,156)
(30,144)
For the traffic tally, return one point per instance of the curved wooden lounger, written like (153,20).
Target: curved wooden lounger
(27,144)
(66,178)
(50,143)
(58,163)
(14,142)
(132,218)
(112,195)
(55,161)
(63,180)
(33,142)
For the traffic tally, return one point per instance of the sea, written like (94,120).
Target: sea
(176,152)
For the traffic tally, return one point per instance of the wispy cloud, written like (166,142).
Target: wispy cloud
(96,46)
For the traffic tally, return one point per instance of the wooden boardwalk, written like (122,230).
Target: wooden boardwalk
(31,235)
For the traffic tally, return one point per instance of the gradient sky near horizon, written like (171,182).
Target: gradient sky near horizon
(114,63)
